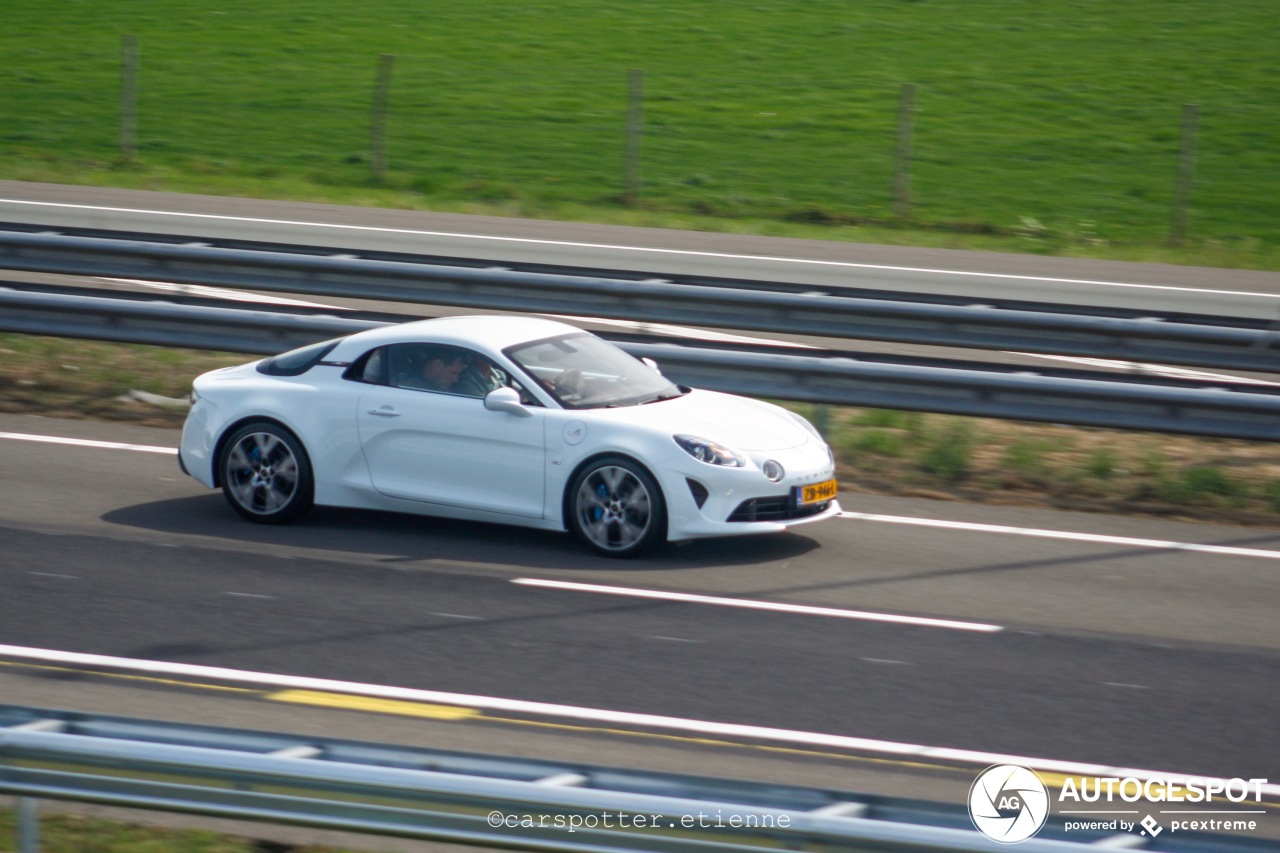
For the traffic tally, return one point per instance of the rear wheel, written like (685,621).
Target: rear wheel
(265,473)
(616,507)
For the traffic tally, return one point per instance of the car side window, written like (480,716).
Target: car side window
(438,368)
(426,367)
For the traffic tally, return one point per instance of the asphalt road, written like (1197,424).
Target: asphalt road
(1113,653)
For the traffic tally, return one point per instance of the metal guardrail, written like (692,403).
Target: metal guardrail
(1117,403)
(1211,343)
(521,266)
(163,323)
(1212,411)
(476,799)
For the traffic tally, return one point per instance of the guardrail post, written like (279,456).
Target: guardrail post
(129,98)
(378,122)
(635,134)
(822,419)
(1186,172)
(28,825)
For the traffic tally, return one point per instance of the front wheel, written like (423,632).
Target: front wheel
(616,507)
(265,473)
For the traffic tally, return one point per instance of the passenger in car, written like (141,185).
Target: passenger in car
(441,367)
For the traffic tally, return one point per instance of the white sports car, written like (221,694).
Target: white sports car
(513,420)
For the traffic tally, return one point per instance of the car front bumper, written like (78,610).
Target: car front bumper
(704,500)
(692,528)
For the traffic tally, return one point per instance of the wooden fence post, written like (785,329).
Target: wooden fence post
(378,120)
(902,155)
(635,134)
(1186,174)
(129,98)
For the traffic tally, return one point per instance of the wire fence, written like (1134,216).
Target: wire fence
(1079,163)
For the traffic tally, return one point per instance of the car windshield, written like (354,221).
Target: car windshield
(585,372)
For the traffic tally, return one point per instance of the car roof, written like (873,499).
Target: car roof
(493,332)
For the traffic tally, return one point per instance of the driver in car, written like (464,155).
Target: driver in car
(478,378)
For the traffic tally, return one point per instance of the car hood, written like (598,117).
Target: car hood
(740,422)
(227,374)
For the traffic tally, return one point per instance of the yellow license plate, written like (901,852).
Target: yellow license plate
(817,493)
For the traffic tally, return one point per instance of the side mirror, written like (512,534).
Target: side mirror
(652,365)
(506,399)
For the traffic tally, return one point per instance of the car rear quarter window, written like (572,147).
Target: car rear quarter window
(296,362)
(370,367)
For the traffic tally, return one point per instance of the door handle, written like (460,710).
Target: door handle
(385,412)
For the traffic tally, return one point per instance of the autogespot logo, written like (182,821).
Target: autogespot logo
(1008,803)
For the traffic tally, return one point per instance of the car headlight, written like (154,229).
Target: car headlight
(711,452)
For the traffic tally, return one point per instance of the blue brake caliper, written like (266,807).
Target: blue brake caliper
(597,512)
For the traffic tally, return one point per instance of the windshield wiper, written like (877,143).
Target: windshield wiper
(658,398)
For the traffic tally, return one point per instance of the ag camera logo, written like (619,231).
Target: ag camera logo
(1008,803)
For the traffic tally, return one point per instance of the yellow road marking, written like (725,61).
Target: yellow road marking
(351,702)
(151,679)
(348,701)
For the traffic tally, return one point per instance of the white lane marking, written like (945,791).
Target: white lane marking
(247,595)
(1153,369)
(224,293)
(599,715)
(646,249)
(84,442)
(1159,544)
(749,604)
(55,575)
(682,331)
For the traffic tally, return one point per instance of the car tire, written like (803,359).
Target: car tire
(616,508)
(265,473)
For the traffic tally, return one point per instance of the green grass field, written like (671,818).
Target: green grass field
(1050,125)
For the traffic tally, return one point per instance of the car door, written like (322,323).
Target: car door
(446,448)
